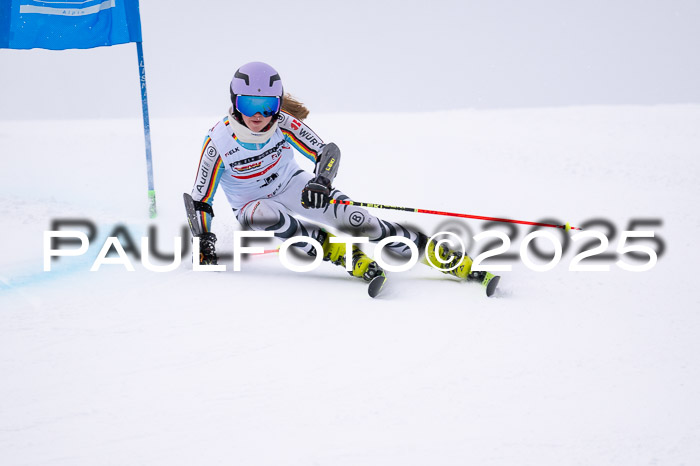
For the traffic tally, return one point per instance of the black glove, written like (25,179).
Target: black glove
(207,251)
(316,193)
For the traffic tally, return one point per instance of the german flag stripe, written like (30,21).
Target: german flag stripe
(215,176)
(203,220)
(300,146)
(204,148)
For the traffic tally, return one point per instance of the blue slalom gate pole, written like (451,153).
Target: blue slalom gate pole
(146,132)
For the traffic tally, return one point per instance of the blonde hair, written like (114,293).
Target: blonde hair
(294,107)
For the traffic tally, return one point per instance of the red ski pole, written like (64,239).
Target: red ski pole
(566,226)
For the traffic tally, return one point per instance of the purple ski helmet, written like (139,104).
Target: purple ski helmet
(256,79)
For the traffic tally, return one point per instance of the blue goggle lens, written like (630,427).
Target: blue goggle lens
(249,105)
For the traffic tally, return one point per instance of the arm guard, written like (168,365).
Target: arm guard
(328,162)
(193,209)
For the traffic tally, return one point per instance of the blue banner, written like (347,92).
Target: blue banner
(55,25)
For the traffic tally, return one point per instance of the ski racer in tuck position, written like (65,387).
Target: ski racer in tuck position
(250,154)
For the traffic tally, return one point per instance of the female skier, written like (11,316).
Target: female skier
(249,153)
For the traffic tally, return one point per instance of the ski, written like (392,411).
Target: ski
(375,285)
(191,215)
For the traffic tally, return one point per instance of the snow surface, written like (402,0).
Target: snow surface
(268,367)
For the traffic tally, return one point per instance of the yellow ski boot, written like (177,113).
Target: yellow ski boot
(459,265)
(362,266)
(447,260)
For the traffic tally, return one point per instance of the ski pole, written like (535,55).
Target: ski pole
(566,226)
(266,251)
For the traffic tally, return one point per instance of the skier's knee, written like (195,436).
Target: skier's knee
(263,215)
(355,221)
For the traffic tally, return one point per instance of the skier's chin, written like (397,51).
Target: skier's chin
(256,127)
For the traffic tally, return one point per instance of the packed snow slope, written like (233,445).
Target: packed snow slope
(267,366)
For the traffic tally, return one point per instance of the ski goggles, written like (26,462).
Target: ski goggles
(249,105)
